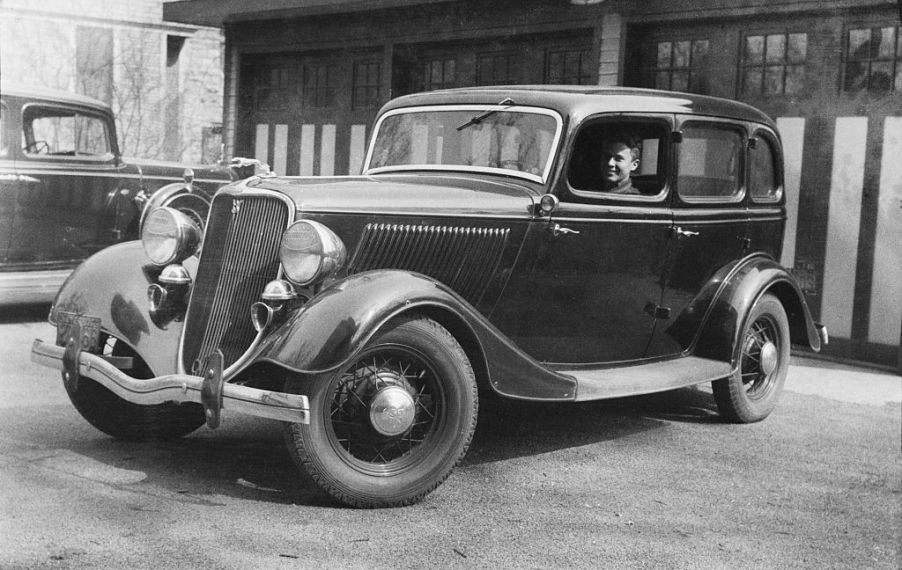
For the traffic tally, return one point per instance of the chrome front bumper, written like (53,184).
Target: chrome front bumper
(209,390)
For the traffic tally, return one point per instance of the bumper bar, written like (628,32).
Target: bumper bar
(177,387)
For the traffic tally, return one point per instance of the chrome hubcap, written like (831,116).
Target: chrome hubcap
(769,358)
(392,411)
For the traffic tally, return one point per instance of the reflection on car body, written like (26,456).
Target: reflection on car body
(475,255)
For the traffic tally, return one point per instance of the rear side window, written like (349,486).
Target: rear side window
(58,132)
(4,145)
(764,183)
(710,164)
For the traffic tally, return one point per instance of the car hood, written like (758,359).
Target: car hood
(405,195)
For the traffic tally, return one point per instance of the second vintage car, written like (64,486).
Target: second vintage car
(536,243)
(66,192)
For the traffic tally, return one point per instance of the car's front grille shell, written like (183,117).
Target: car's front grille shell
(464,258)
(240,255)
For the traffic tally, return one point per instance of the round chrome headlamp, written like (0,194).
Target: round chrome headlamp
(169,236)
(310,252)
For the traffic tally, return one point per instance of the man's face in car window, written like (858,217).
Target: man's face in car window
(617,163)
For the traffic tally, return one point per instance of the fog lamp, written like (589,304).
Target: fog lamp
(310,252)
(169,236)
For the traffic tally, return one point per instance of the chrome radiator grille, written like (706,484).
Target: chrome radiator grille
(240,255)
(464,258)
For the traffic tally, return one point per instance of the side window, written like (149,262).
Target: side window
(710,165)
(64,132)
(764,184)
(618,158)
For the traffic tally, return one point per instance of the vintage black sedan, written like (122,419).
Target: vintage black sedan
(551,244)
(66,192)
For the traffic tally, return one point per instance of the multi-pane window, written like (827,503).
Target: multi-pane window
(774,64)
(319,85)
(439,74)
(682,66)
(270,87)
(569,67)
(497,69)
(874,59)
(367,86)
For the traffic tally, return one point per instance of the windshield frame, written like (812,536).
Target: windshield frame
(475,109)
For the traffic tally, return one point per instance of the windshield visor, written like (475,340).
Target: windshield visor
(509,140)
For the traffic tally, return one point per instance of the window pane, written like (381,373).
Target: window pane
(680,81)
(773,80)
(762,178)
(662,80)
(664,51)
(751,80)
(795,76)
(709,165)
(798,48)
(898,84)
(681,54)
(699,52)
(885,43)
(776,49)
(754,49)
(856,76)
(881,76)
(858,40)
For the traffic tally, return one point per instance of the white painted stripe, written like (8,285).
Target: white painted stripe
(846,184)
(327,151)
(308,144)
(357,150)
(419,148)
(792,131)
(261,144)
(886,282)
(280,151)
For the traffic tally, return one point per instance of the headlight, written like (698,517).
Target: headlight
(310,252)
(169,236)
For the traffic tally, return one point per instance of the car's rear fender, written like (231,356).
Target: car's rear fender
(336,325)
(711,326)
(112,285)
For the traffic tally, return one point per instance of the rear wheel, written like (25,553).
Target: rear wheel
(389,426)
(127,421)
(750,394)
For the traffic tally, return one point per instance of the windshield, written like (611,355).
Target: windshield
(515,140)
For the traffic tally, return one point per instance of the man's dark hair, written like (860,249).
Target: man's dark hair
(627,140)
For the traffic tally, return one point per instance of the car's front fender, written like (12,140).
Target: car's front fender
(711,326)
(112,285)
(336,324)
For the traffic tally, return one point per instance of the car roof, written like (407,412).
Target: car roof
(47,94)
(580,101)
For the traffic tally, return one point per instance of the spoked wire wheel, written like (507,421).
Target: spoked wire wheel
(751,393)
(390,425)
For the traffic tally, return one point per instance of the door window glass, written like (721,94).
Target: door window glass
(617,158)
(64,132)
(4,145)
(710,164)
(764,186)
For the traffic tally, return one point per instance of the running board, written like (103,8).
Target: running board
(604,383)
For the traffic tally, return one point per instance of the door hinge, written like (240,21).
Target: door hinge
(657,312)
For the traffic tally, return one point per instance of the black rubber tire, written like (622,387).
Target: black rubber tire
(750,394)
(361,468)
(127,421)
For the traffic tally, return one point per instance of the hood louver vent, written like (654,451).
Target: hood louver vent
(464,258)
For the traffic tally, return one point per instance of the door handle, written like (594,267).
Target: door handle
(558,229)
(680,232)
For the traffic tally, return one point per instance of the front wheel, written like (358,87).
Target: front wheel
(750,394)
(390,425)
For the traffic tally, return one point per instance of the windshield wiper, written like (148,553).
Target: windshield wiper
(506,102)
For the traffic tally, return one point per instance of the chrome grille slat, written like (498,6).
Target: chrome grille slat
(240,255)
(464,258)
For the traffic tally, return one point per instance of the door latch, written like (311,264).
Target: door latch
(558,229)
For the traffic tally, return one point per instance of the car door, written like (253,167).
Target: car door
(592,273)
(710,224)
(7,181)
(68,170)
